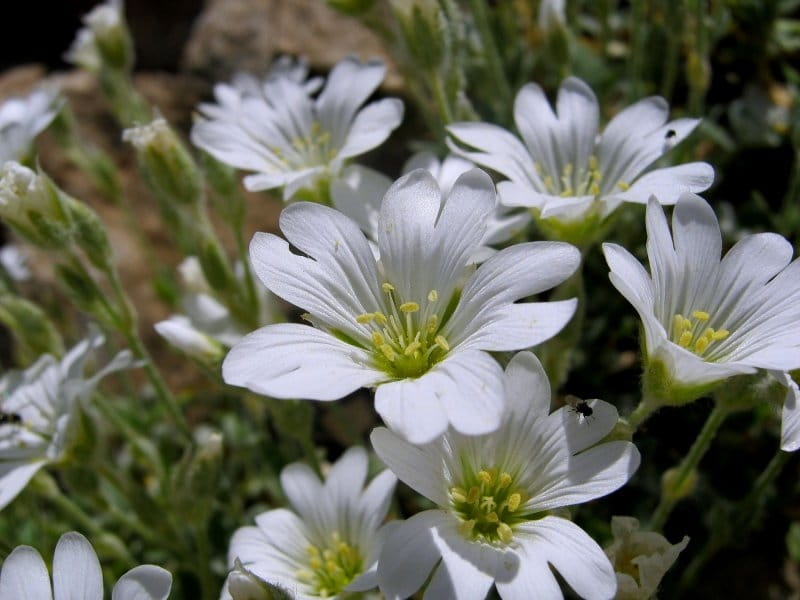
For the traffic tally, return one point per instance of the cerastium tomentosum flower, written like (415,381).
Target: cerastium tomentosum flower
(418,323)
(292,140)
(76,574)
(22,119)
(495,495)
(567,171)
(330,543)
(37,412)
(708,318)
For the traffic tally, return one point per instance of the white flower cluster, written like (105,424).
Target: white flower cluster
(404,293)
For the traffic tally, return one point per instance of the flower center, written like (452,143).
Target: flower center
(571,181)
(406,341)
(488,505)
(311,149)
(694,334)
(331,567)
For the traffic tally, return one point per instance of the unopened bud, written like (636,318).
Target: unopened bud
(166,162)
(179,331)
(245,585)
(110,34)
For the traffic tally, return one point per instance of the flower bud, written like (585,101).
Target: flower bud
(244,585)
(196,478)
(89,233)
(640,558)
(33,331)
(110,35)
(33,206)
(179,331)
(167,164)
(422,23)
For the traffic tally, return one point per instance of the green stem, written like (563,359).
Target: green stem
(128,328)
(672,492)
(642,412)
(491,53)
(446,112)
(740,520)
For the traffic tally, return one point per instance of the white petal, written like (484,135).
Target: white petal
(285,532)
(411,464)
(349,84)
(345,480)
(698,241)
(372,126)
(588,475)
(514,194)
(249,545)
(374,502)
(408,556)
(145,582)
(629,277)
(358,194)
(14,476)
(790,417)
(297,361)
(501,150)
(24,576)
(669,183)
(578,113)
(534,579)
(76,570)
(468,569)
(527,386)
(582,432)
(411,407)
(511,274)
(576,556)
(471,392)
(303,489)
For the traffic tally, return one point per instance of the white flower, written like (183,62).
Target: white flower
(707,319)
(37,410)
(640,558)
(358,193)
(22,119)
(179,331)
(76,575)
(552,14)
(564,169)
(104,37)
(331,539)
(418,324)
(292,140)
(496,494)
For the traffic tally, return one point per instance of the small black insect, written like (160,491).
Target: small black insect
(580,407)
(670,134)
(10,418)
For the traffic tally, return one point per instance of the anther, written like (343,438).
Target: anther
(433,322)
(504,533)
(504,481)
(485,477)
(387,287)
(409,307)
(466,527)
(700,315)
(492,517)
(378,339)
(380,318)
(365,318)
(433,296)
(623,186)
(388,352)
(701,344)
(458,494)
(514,501)
(685,339)
(441,342)
(473,495)
(720,334)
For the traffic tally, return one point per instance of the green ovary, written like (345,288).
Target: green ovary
(406,342)
(331,567)
(488,505)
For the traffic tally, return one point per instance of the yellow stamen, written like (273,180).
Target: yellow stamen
(473,495)
(514,501)
(685,339)
(365,318)
(441,342)
(387,287)
(466,527)
(388,352)
(623,186)
(433,296)
(378,339)
(701,344)
(700,315)
(504,481)
(492,517)
(485,477)
(380,318)
(720,334)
